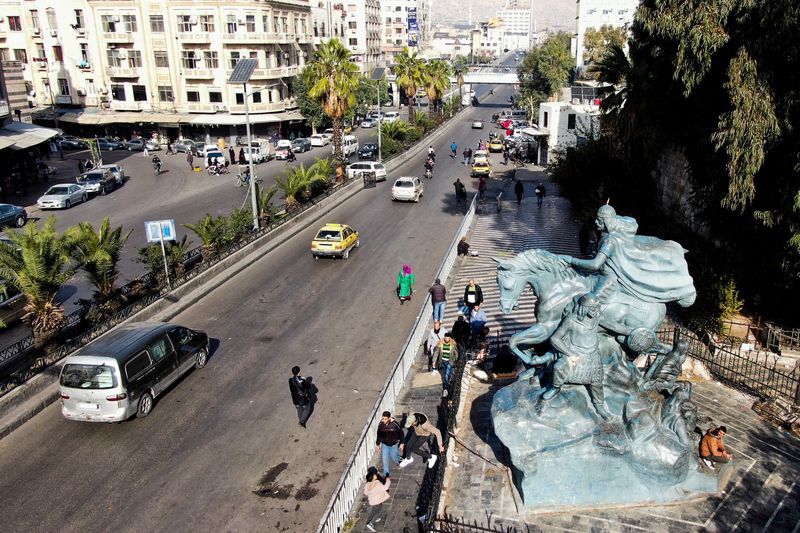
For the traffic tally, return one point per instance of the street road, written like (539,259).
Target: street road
(194,463)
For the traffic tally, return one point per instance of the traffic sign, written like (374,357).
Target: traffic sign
(160,230)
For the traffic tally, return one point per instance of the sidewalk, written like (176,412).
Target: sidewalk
(512,230)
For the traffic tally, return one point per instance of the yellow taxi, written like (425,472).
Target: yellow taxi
(334,240)
(495,145)
(481,168)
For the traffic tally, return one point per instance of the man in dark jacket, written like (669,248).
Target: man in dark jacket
(389,439)
(300,388)
(438,294)
(473,295)
(460,332)
(422,432)
(519,190)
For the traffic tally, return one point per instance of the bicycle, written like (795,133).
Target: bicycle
(243,179)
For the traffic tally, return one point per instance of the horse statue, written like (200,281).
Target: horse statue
(556,287)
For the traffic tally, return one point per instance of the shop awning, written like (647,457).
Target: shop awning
(20,135)
(225,119)
(174,119)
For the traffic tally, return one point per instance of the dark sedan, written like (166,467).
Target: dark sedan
(109,144)
(301,144)
(70,142)
(12,215)
(368,151)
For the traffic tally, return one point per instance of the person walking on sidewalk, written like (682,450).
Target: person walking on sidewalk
(405,284)
(300,388)
(481,188)
(473,295)
(190,159)
(465,153)
(540,192)
(461,190)
(80,166)
(453,149)
(232,154)
(377,491)
(388,441)
(420,433)
(438,294)
(519,190)
(505,155)
(445,356)
(435,335)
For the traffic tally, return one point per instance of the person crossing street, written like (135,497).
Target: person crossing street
(453,149)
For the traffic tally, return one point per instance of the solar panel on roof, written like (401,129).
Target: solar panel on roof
(243,71)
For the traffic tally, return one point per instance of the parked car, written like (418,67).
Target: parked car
(319,139)
(477,125)
(139,145)
(12,215)
(368,151)
(117,171)
(407,189)
(12,303)
(301,144)
(391,116)
(184,145)
(329,134)
(283,148)
(70,142)
(369,123)
(109,144)
(368,166)
(334,240)
(62,196)
(98,181)
(121,373)
(216,156)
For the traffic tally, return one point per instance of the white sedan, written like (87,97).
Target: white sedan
(62,196)
(477,125)
(319,139)
(408,189)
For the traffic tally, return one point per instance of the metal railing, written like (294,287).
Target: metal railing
(448,523)
(338,509)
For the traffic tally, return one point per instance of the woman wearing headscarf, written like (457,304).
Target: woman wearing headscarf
(405,282)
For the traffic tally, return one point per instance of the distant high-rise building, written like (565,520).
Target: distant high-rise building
(405,23)
(597,13)
(356,23)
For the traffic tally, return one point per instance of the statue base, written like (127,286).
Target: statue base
(564,455)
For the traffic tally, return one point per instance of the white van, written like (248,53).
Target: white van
(349,145)
(514,114)
(260,150)
(203,149)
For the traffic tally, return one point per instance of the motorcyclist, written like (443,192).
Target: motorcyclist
(157,163)
(431,153)
(290,157)
(429,168)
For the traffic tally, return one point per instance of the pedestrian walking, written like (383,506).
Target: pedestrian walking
(480,143)
(461,190)
(145,152)
(505,155)
(80,166)
(405,284)
(473,296)
(300,388)
(465,153)
(242,160)
(445,356)
(453,149)
(438,294)
(420,433)
(388,441)
(435,335)
(190,158)
(88,165)
(232,153)
(469,154)
(540,192)
(519,190)
(481,188)
(377,491)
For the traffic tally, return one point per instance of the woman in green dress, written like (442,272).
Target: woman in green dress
(405,281)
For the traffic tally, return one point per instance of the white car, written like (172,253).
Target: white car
(369,123)
(477,125)
(407,189)
(319,139)
(328,134)
(216,156)
(391,116)
(62,196)
(367,166)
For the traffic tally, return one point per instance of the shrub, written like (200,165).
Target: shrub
(238,225)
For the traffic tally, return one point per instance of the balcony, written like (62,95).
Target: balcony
(194,37)
(64,99)
(194,107)
(279,72)
(263,107)
(117,37)
(122,72)
(118,105)
(198,73)
(245,37)
(279,37)
(81,33)
(305,38)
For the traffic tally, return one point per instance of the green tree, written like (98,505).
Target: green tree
(408,70)
(596,42)
(545,71)
(367,94)
(397,130)
(297,181)
(212,235)
(37,261)
(98,252)
(264,203)
(310,108)
(335,79)
(436,80)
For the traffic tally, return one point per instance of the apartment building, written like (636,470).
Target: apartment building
(597,13)
(405,23)
(157,62)
(326,21)
(356,23)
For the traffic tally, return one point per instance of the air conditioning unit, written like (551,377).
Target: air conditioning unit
(53,33)
(81,31)
(81,92)
(2,19)
(193,21)
(103,90)
(104,98)
(36,31)
(220,108)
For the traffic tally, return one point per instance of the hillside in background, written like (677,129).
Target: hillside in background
(558,15)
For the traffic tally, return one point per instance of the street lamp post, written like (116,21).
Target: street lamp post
(377,75)
(242,73)
(55,116)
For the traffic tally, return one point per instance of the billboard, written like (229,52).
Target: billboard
(413,27)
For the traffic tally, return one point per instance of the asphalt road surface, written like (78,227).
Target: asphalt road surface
(193,464)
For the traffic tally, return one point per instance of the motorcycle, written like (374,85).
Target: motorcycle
(428,173)
(157,168)
(216,170)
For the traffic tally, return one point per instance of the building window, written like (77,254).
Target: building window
(165,94)
(265,23)
(239,99)
(257,98)
(90,88)
(113,58)
(79,22)
(211,59)
(571,121)
(279,60)
(109,23)
(189,59)
(544,122)
(231,25)
(129,23)
(85,53)
(316,29)
(40,55)
(58,54)
(192,96)
(52,19)
(14,24)
(134,59)
(250,23)
(285,24)
(276,24)
(63,87)
(139,93)
(207,23)
(353,25)
(157,23)
(35,20)
(20,55)
(235,56)
(215,97)
(4,54)
(162,59)
(118,92)
(184,23)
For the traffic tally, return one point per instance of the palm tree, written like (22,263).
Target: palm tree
(38,263)
(408,69)
(397,130)
(297,180)
(615,68)
(336,79)
(264,203)
(211,232)
(437,79)
(98,252)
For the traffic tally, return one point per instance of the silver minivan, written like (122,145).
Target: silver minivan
(121,373)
